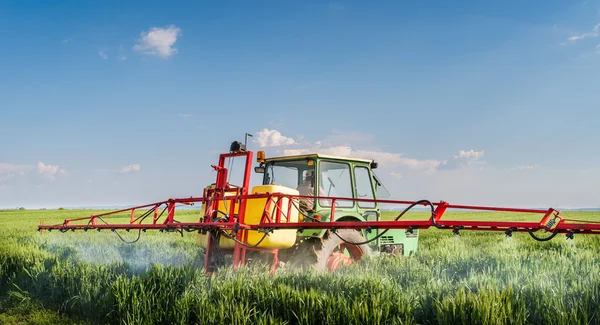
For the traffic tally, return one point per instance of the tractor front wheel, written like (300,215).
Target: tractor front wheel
(335,253)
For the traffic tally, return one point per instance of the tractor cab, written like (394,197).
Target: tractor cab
(325,176)
(339,183)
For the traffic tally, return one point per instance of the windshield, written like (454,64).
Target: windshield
(382,192)
(287,173)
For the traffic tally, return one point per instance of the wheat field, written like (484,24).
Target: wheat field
(475,278)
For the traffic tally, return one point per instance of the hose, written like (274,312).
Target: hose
(242,243)
(140,218)
(119,235)
(396,219)
(554,233)
(226,217)
(548,225)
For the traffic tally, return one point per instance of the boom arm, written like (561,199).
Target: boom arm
(233,226)
(550,219)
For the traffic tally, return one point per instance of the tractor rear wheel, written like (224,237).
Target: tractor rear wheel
(335,253)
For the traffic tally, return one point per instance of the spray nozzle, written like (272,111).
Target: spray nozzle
(509,232)
(569,235)
(457,229)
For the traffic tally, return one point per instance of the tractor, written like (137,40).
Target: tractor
(330,176)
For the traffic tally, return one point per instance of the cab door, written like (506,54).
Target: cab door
(365,189)
(335,180)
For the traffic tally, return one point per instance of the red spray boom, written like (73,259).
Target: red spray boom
(278,206)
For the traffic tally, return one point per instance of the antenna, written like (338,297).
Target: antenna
(246,139)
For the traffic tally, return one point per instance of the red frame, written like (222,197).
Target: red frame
(268,222)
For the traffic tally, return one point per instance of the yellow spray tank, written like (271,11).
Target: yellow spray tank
(278,239)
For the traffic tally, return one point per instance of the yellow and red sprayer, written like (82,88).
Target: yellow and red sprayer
(310,210)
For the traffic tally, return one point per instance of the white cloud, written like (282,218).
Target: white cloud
(158,41)
(393,160)
(339,137)
(272,138)
(327,146)
(185,115)
(390,159)
(594,33)
(576,37)
(396,175)
(582,36)
(130,169)
(49,172)
(333,151)
(6,167)
(9,170)
(471,154)
(464,158)
(524,167)
(385,159)
(102,54)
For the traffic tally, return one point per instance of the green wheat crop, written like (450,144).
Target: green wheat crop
(476,278)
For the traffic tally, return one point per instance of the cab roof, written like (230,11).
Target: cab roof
(317,155)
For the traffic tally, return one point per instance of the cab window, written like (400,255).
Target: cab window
(286,173)
(364,190)
(335,180)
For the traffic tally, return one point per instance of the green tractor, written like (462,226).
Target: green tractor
(330,176)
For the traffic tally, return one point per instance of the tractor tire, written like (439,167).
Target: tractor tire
(335,253)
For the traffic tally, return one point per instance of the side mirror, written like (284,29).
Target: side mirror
(259,169)
(374,165)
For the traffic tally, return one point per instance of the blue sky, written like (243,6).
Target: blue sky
(472,102)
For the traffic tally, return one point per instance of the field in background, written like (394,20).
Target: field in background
(477,278)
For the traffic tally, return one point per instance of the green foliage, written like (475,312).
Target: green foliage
(21,311)
(477,278)
(61,208)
